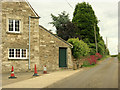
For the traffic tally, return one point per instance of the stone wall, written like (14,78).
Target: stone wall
(21,11)
(49,50)
(0,38)
(44,45)
(34,52)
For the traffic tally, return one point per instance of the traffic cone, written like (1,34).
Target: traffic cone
(35,71)
(45,70)
(12,74)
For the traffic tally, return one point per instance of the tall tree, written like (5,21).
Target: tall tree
(64,27)
(85,19)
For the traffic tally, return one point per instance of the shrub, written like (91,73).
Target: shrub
(79,48)
(114,55)
(86,63)
(98,56)
(93,58)
(92,48)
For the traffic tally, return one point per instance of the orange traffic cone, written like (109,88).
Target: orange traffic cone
(12,73)
(45,70)
(35,71)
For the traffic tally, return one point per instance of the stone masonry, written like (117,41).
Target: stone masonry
(44,45)
(49,49)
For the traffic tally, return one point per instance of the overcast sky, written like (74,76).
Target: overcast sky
(105,10)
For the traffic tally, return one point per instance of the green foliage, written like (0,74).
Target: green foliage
(114,55)
(85,19)
(92,48)
(83,26)
(107,52)
(86,63)
(79,48)
(64,27)
(59,20)
(101,47)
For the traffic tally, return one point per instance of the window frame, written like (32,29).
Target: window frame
(14,25)
(15,54)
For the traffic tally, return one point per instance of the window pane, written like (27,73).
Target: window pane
(17,52)
(16,25)
(10,55)
(23,52)
(10,25)
(11,52)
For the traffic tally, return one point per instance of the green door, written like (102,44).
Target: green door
(62,57)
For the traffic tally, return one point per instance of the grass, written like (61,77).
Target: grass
(104,57)
(89,65)
(114,55)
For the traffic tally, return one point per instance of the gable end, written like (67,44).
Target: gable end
(56,36)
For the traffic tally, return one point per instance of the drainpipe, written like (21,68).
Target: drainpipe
(29,44)
(29,39)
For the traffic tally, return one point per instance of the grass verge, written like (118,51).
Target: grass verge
(89,65)
(104,58)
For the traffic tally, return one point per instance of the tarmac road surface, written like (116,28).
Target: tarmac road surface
(104,75)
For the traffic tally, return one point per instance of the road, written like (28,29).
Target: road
(103,75)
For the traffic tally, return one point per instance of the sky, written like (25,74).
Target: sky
(105,10)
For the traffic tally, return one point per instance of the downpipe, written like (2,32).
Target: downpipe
(30,39)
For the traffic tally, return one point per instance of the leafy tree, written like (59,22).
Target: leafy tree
(79,48)
(64,27)
(101,47)
(92,48)
(85,19)
(107,52)
(60,20)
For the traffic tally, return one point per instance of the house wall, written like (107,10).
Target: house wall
(44,46)
(49,50)
(21,11)
(0,37)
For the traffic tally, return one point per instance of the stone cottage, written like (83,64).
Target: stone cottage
(26,43)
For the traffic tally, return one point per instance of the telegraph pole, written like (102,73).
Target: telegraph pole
(95,38)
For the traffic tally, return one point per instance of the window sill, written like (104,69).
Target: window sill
(13,32)
(18,59)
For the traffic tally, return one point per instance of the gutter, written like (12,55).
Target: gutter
(29,38)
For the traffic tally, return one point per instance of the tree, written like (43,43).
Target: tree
(101,47)
(92,48)
(79,48)
(60,20)
(64,27)
(85,19)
